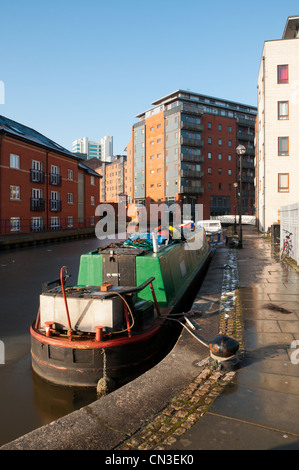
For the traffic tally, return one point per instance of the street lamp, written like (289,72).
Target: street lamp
(235,225)
(241,150)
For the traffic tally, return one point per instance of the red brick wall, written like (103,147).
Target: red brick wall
(21,177)
(215,163)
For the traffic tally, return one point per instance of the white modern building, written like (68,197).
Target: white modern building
(91,148)
(107,148)
(277,146)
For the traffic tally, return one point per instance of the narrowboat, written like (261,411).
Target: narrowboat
(214,232)
(115,322)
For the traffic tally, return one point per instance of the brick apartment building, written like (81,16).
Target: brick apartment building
(43,186)
(183,150)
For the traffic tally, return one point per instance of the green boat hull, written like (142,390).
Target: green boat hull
(174,268)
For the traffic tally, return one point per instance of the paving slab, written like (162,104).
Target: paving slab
(259,408)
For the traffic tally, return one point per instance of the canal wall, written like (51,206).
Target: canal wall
(22,240)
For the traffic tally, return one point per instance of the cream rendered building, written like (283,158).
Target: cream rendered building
(277,146)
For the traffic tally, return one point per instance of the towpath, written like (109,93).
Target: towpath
(184,404)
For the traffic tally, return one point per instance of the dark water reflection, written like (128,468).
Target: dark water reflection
(26,401)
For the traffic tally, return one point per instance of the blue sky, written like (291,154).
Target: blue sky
(73,69)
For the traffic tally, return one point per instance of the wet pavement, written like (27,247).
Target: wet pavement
(184,404)
(259,409)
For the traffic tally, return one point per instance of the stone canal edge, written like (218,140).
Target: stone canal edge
(193,401)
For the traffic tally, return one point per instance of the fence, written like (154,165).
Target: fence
(289,220)
(17,225)
(230,219)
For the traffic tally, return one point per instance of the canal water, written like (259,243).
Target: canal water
(26,401)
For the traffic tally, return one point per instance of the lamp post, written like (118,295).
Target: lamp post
(235,225)
(240,151)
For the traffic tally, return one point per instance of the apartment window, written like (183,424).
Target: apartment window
(209,155)
(220,142)
(15,193)
(283,146)
(282,74)
(209,185)
(92,201)
(219,171)
(209,171)
(55,223)
(229,158)
(220,186)
(70,175)
(70,198)
(209,140)
(55,170)
(229,172)
(219,156)
(283,182)
(14,161)
(70,221)
(92,182)
(209,125)
(230,129)
(15,224)
(283,110)
(219,127)
(36,224)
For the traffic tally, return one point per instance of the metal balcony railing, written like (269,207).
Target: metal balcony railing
(37,204)
(55,205)
(54,179)
(37,176)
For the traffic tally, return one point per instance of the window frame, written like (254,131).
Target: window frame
(283,117)
(282,153)
(284,189)
(279,80)
(14,161)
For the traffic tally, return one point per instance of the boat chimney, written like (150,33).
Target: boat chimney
(155,243)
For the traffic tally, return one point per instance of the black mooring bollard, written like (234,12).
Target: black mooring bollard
(223,349)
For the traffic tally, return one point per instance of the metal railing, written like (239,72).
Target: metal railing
(25,226)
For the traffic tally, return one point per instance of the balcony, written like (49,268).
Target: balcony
(191,174)
(191,190)
(37,204)
(186,157)
(244,136)
(247,179)
(55,205)
(246,165)
(250,151)
(54,179)
(188,109)
(246,122)
(190,126)
(191,142)
(37,176)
